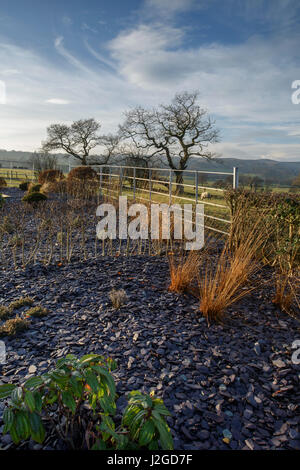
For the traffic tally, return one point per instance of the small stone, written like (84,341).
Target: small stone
(32,369)
(227,434)
(278,363)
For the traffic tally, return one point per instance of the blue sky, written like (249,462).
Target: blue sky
(66,60)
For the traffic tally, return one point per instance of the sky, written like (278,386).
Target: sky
(63,60)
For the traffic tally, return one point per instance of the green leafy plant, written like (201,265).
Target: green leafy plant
(77,400)
(34,198)
(143,425)
(24,185)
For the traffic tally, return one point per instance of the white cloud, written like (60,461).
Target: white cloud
(57,101)
(246,86)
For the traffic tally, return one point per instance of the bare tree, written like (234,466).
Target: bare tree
(177,131)
(79,140)
(110,148)
(43,161)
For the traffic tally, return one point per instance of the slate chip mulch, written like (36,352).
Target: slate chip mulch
(230,386)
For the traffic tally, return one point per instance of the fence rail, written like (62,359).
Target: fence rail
(113,179)
(149,185)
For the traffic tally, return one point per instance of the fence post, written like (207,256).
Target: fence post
(196,184)
(170,188)
(235,177)
(150,184)
(101,181)
(134,182)
(121,181)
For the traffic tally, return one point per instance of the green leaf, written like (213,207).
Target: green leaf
(8,418)
(68,401)
(38,401)
(92,381)
(22,425)
(29,400)
(107,379)
(99,445)
(33,382)
(153,445)
(14,434)
(6,390)
(147,433)
(37,428)
(90,358)
(17,395)
(165,436)
(107,405)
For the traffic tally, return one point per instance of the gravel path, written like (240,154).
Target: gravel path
(227,387)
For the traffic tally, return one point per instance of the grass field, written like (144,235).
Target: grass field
(15,176)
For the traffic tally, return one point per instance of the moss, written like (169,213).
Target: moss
(21,302)
(5,312)
(37,311)
(34,198)
(13,326)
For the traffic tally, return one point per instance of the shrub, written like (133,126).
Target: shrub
(82,182)
(24,185)
(34,188)
(82,173)
(34,198)
(50,176)
(118,298)
(13,326)
(3,183)
(68,387)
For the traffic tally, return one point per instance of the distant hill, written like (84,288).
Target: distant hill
(279,172)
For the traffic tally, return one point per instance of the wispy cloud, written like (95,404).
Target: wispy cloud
(59,46)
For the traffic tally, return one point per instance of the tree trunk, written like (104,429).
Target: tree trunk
(179,182)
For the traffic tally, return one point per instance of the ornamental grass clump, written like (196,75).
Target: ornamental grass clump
(228,281)
(118,298)
(184,271)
